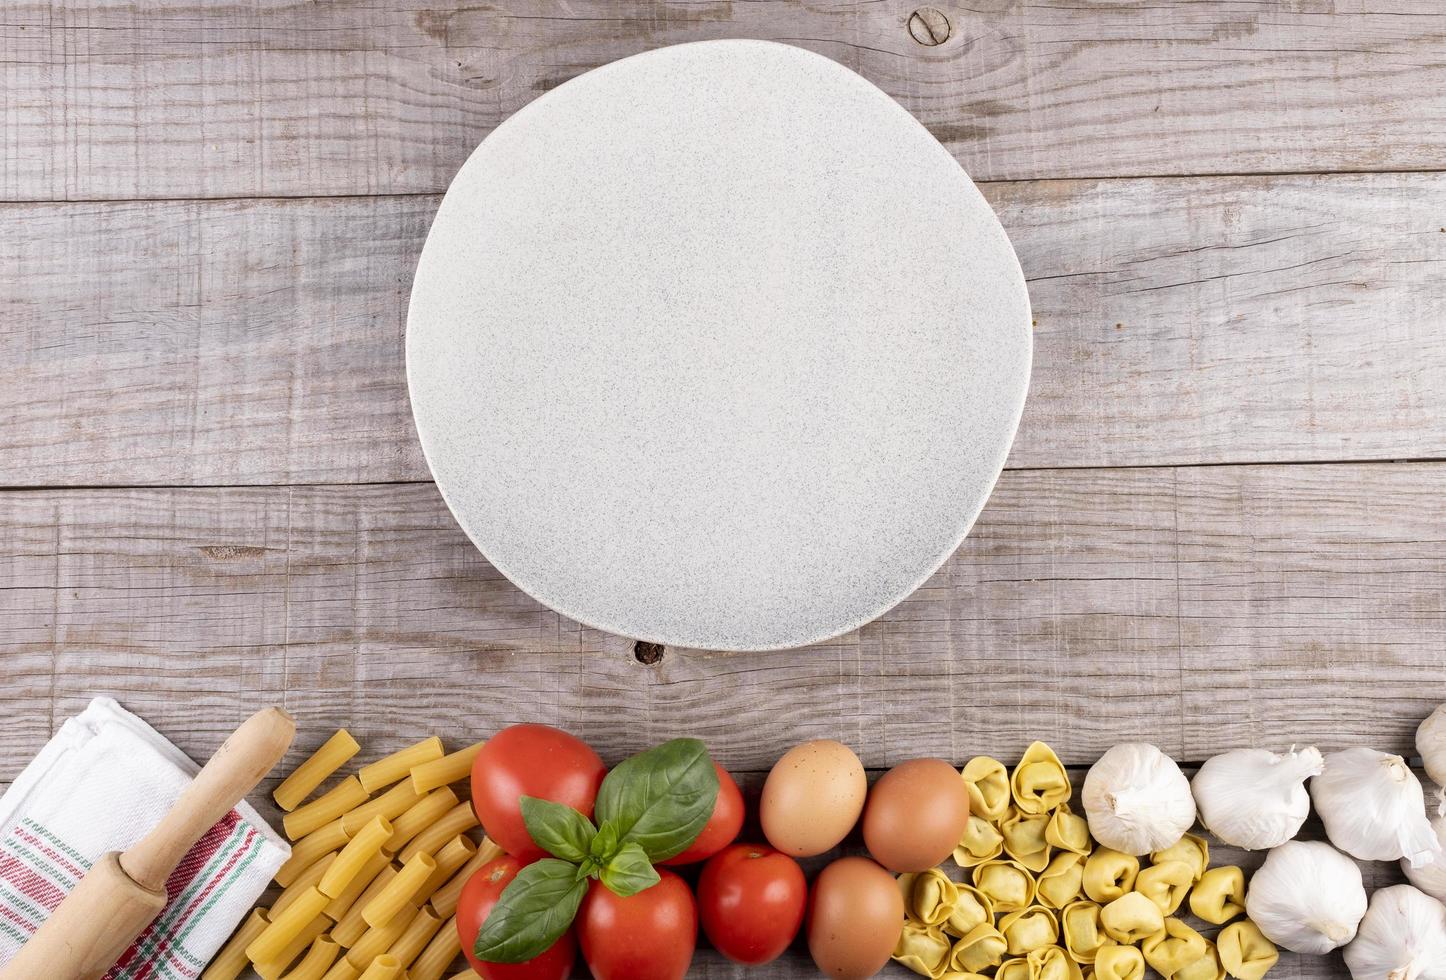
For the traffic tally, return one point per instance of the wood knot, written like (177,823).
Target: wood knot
(648,653)
(929,26)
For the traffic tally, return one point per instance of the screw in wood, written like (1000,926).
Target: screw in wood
(929,26)
(648,653)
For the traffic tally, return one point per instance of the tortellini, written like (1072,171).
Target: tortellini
(1029,929)
(1173,947)
(956,975)
(1083,935)
(1024,839)
(1059,884)
(1120,963)
(1040,781)
(929,896)
(1015,969)
(988,783)
(1244,951)
(1219,895)
(1131,918)
(923,949)
(983,948)
(1193,850)
(1051,963)
(1206,967)
(981,842)
(1166,884)
(1068,831)
(1007,885)
(1108,875)
(971,910)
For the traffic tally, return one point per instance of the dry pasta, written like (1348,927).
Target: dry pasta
(273,968)
(311,876)
(333,754)
(317,961)
(342,970)
(448,769)
(444,899)
(399,892)
(350,927)
(383,968)
(339,905)
(232,959)
(421,815)
(310,849)
(324,809)
(375,942)
(358,851)
(466,975)
(439,954)
(457,820)
(391,804)
(420,930)
(455,853)
(286,926)
(388,770)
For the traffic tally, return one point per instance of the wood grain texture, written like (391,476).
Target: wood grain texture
(183,98)
(1178,321)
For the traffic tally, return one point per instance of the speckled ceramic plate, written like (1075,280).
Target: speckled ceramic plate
(716,346)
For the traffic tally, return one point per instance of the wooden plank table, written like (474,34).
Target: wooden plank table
(1221,524)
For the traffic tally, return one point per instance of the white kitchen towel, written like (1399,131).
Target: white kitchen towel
(102,782)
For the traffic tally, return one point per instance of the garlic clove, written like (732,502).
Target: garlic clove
(1253,798)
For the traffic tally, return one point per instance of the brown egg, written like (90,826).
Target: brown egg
(855,915)
(915,815)
(813,797)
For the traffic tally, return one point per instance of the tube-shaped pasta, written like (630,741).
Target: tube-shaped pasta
(389,769)
(311,876)
(232,958)
(273,968)
(287,926)
(391,804)
(421,815)
(333,754)
(444,899)
(342,970)
(453,854)
(310,849)
(452,768)
(358,851)
(375,942)
(399,892)
(457,820)
(420,930)
(339,905)
(317,961)
(383,967)
(439,954)
(467,974)
(324,809)
(349,927)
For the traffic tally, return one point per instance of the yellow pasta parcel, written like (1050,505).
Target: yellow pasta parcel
(1053,963)
(324,809)
(1068,831)
(1007,884)
(1219,895)
(1207,967)
(389,769)
(1119,963)
(286,926)
(1040,782)
(457,820)
(971,909)
(1024,840)
(1192,849)
(1244,951)
(359,851)
(334,753)
(1059,883)
(1165,884)
(451,768)
(1173,947)
(229,963)
(1015,969)
(1131,918)
(988,783)
(923,949)
(1028,930)
(983,949)
(928,895)
(981,842)
(317,962)
(1109,875)
(1082,932)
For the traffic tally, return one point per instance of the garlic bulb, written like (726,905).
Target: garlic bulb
(1253,798)
(1431,743)
(1137,800)
(1307,897)
(1402,937)
(1431,876)
(1373,808)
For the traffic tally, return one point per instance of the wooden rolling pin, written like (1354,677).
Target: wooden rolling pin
(119,897)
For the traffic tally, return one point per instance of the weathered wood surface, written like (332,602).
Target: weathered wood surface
(283,97)
(1178,321)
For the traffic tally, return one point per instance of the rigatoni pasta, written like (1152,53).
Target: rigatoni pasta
(318,960)
(391,804)
(232,959)
(273,968)
(350,927)
(324,809)
(333,754)
(311,876)
(451,768)
(459,819)
(339,905)
(361,849)
(444,899)
(342,970)
(311,848)
(422,814)
(452,855)
(376,941)
(286,926)
(420,930)
(399,892)
(439,953)
(383,968)
(388,770)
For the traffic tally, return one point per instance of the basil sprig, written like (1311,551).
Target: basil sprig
(651,807)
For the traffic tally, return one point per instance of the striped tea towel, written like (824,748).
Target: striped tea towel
(99,785)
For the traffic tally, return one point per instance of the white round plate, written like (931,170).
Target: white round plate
(716,346)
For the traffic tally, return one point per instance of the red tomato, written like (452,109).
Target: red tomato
(721,828)
(480,893)
(751,899)
(531,760)
(648,936)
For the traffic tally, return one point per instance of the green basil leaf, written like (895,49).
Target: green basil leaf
(532,913)
(606,843)
(559,830)
(661,799)
(630,871)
